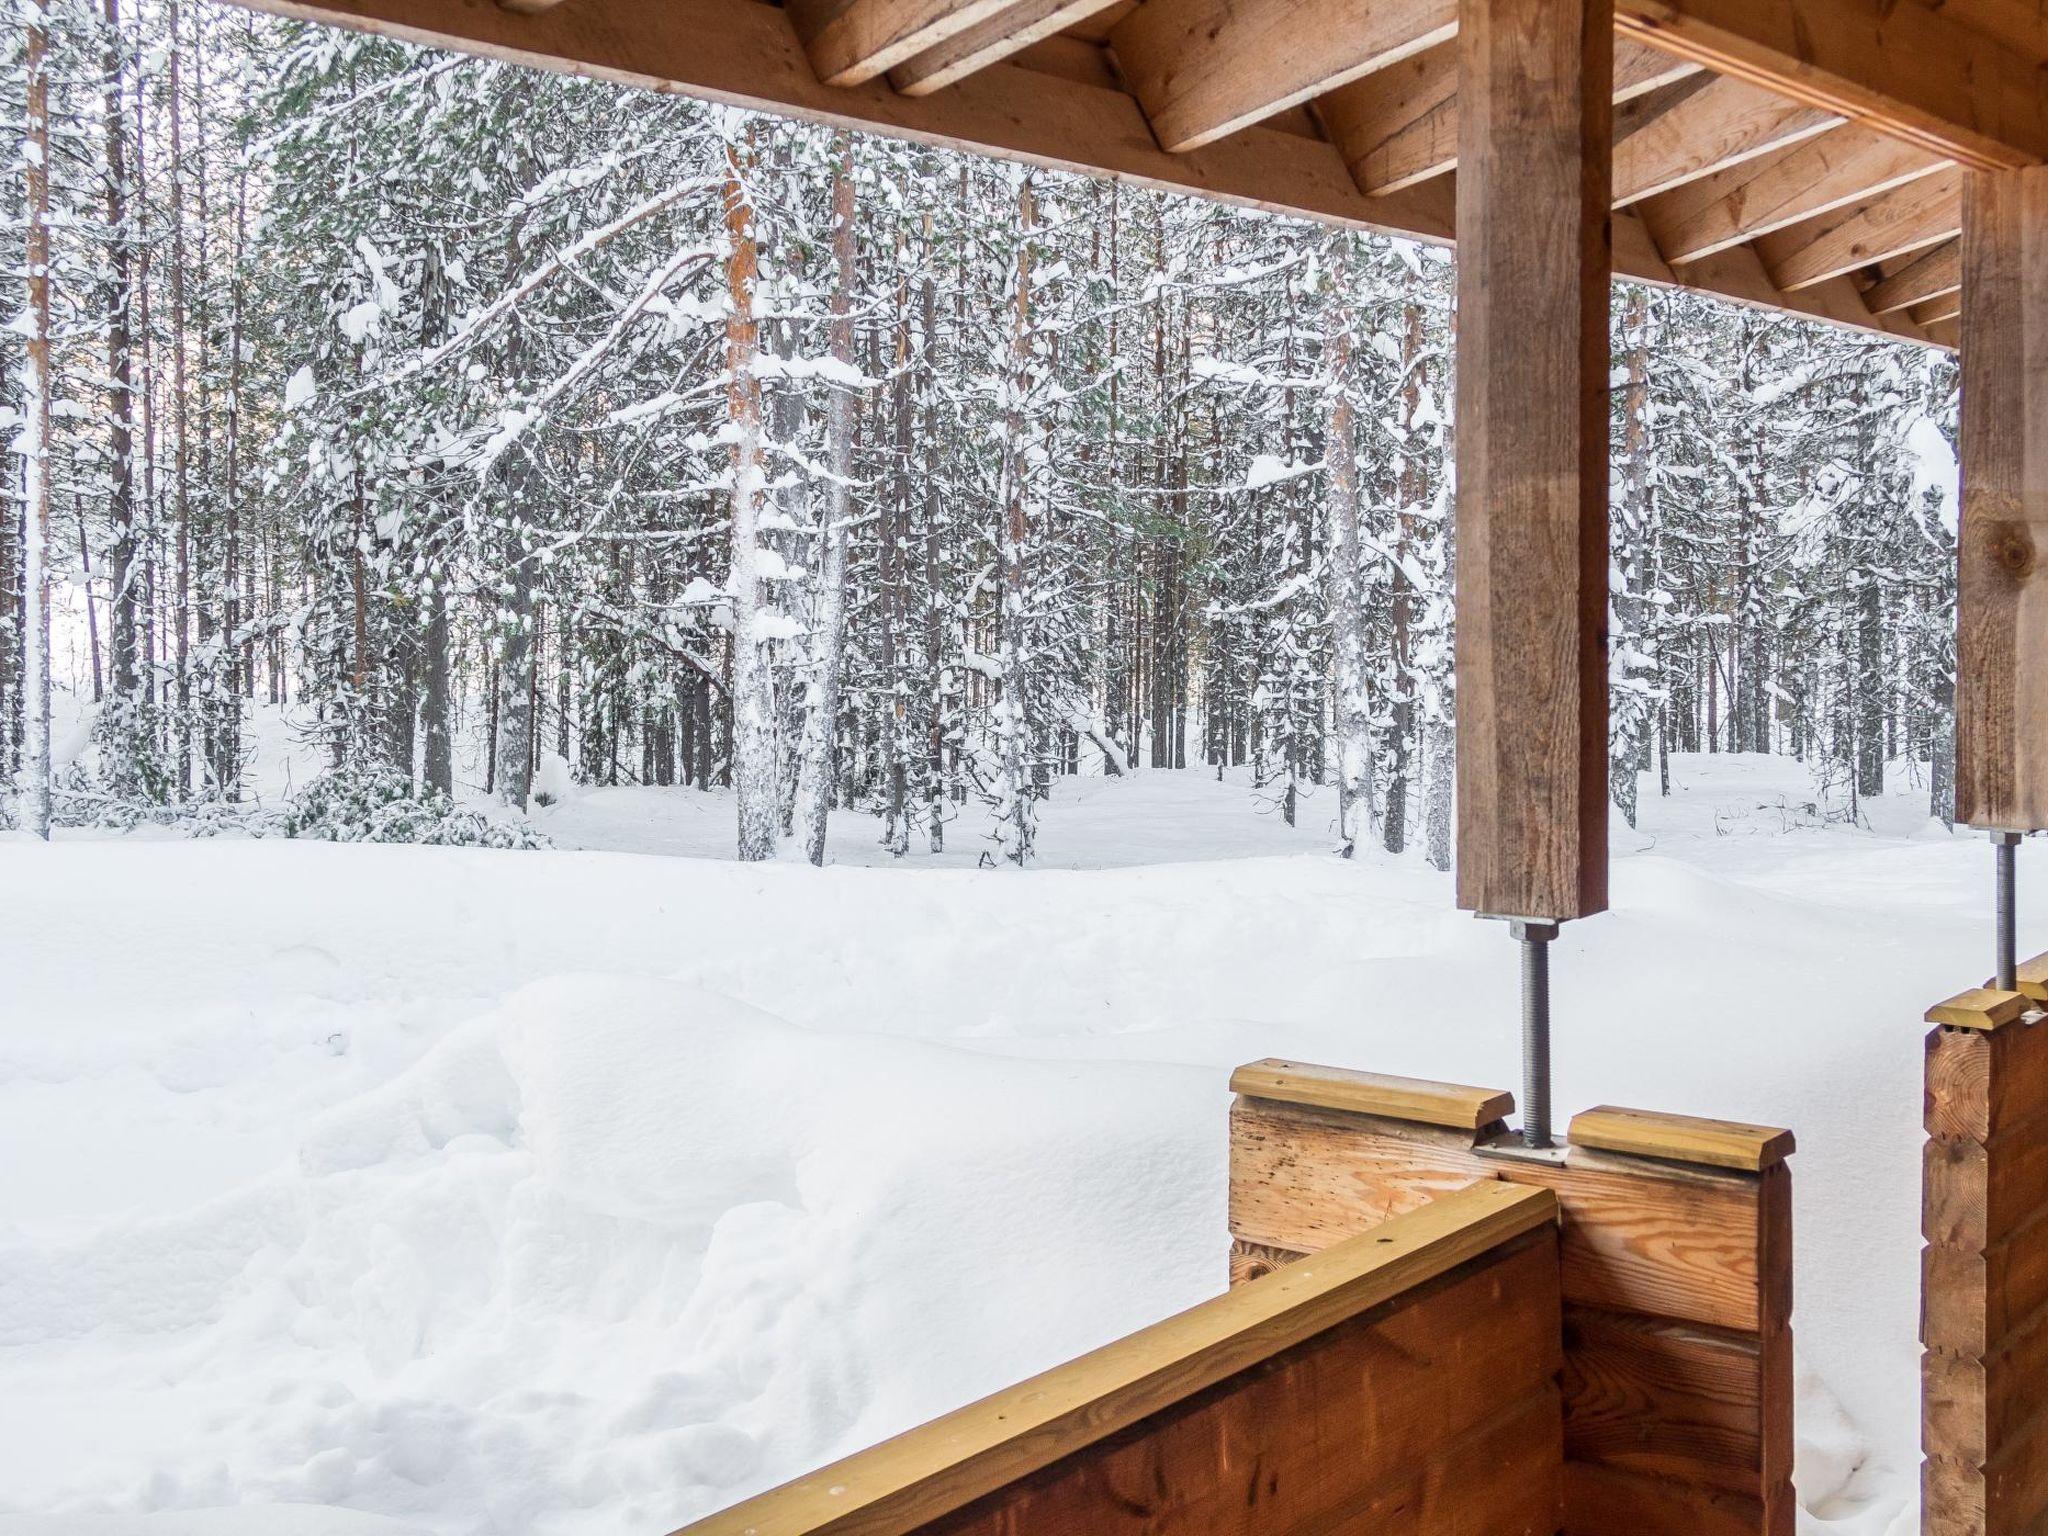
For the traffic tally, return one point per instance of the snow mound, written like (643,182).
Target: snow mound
(602,1258)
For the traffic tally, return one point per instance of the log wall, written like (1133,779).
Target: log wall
(1984,1303)
(1676,1269)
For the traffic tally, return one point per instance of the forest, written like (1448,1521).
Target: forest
(658,443)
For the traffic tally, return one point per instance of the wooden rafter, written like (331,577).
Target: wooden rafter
(1804,181)
(1057,105)
(1926,276)
(1202,69)
(989,42)
(853,41)
(1399,125)
(1903,67)
(1724,123)
(1914,216)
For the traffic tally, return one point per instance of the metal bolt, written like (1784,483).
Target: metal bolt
(1535,939)
(2007,845)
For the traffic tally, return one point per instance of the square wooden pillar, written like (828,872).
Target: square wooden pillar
(1984,1272)
(1535,261)
(1676,1273)
(2002,588)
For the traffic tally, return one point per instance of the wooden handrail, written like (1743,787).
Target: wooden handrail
(942,1466)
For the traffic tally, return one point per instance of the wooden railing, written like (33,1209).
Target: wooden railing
(1404,1382)
(1676,1247)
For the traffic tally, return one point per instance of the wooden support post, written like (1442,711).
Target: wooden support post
(1535,258)
(1984,1301)
(2002,593)
(1676,1274)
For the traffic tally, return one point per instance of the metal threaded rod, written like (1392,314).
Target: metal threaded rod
(1535,941)
(2007,844)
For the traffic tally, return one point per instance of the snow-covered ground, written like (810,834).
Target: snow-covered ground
(585,1191)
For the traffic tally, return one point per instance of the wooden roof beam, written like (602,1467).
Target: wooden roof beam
(1891,225)
(851,42)
(1203,69)
(1722,124)
(1927,276)
(1800,181)
(1911,70)
(1007,32)
(1399,125)
(1056,106)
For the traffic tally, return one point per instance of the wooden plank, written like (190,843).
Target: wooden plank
(1975,1404)
(1919,214)
(1668,1400)
(1979,1008)
(940,1468)
(1373,1093)
(1947,307)
(1802,181)
(1009,31)
(1399,125)
(1909,71)
(1381,1426)
(1639,1237)
(1933,272)
(1974,1193)
(1202,69)
(851,42)
(2031,977)
(1613,1501)
(1682,1138)
(1535,111)
(2002,643)
(1724,124)
(1982,1084)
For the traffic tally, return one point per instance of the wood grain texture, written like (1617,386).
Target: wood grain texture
(1202,69)
(1981,1008)
(989,41)
(1806,180)
(1724,124)
(1638,1237)
(2031,977)
(1535,93)
(1443,1416)
(1373,1093)
(851,42)
(1682,1138)
(1984,1280)
(1399,125)
(1930,273)
(942,1467)
(2002,595)
(1910,71)
(1919,214)
(1677,1282)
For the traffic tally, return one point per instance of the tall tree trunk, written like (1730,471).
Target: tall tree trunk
(122,576)
(754,766)
(1351,663)
(181,419)
(821,717)
(36,384)
(1013,794)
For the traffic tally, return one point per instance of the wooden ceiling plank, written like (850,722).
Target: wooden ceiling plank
(1927,276)
(1724,124)
(851,42)
(1948,306)
(1202,69)
(1911,70)
(1032,108)
(1891,225)
(989,42)
(1801,181)
(1399,125)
